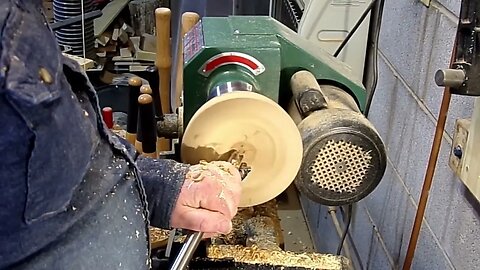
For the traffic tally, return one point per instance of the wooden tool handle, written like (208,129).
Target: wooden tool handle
(145,89)
(163,55)
(162,23)
(138,146)
(132,115)
(189,19)
(147,125)
(154,82)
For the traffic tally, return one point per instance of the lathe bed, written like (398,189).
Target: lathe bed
(273,235)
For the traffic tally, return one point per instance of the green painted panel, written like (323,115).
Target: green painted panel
(281,51)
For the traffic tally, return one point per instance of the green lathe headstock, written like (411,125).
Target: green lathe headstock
(255,54)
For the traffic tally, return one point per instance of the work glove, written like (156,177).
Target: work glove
(208,199)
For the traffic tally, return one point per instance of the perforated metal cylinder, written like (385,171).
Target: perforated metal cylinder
(344,158)
(340,166)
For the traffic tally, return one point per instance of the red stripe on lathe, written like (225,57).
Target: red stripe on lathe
(230,59)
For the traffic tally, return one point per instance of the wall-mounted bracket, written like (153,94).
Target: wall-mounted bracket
(465,154)
(464,76)
(459,144)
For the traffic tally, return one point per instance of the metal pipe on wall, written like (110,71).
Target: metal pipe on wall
(432,164)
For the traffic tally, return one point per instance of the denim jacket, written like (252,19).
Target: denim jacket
(71,192)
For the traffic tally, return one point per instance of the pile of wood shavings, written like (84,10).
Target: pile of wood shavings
(254,255)
(120,133)
(258,225)
(158,237)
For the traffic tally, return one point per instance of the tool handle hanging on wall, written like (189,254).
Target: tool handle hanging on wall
(189,19)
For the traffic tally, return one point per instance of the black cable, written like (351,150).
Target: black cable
(374,34)
(377,20)
(354,29)
(345,231)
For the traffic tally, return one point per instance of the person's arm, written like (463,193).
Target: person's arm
(199,197)
(163,180)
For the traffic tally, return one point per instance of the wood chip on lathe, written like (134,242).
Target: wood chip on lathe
(254,255)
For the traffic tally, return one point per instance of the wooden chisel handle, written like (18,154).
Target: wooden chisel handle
(163,55)
(144,89)
(147,125)
(132,115)
(189,19)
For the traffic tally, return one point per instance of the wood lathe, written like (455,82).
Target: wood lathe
(233,64)
(254,88)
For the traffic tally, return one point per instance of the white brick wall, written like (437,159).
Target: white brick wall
(415,42)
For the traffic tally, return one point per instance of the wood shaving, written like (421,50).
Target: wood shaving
(255,255)
(254,224)
(261,233)
(158,237)
(120,133)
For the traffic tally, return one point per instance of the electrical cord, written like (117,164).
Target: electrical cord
(354,29)
(377,20)
(374,35)
(345,231)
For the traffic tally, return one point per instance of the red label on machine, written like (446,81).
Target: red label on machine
(232,58)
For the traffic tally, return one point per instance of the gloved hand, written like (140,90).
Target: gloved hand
(208,199)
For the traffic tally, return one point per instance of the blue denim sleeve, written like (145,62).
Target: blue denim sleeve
(162,180)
